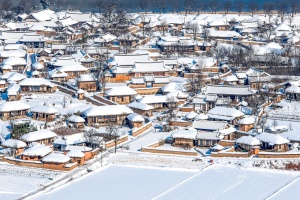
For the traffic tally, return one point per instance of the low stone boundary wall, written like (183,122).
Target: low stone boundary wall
(278,155)
(230,154)
(166,151)
(120,140)
(141,129)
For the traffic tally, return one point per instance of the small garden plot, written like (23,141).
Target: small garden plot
(117,182)
(222,182)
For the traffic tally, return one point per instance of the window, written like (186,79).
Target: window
(207,142)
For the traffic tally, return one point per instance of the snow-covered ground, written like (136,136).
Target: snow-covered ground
(120,182)
(291,191)
(12,187)
(225,182)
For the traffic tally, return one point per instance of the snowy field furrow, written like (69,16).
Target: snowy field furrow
(291,191)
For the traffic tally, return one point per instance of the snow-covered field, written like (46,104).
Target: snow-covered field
(291,191)
(214,182)
(12,187)
(225,182)
(120,182)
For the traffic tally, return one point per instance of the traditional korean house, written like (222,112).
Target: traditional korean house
(158,102)
(76,156)
(58,75)
(231,115)
(36,152)
(89,153)
(141,108)
(87,82)
(44,113)
(121,95)
(235,93)
(43,137)
(185,137)
(18,64)
(76,121)
(135,120)
(103,115)
(257,78)
(249,143)
(56,161)
(13,110)
(211,126)
(246,124)
(38,85)
(17,146)
(13,92)
(272,142)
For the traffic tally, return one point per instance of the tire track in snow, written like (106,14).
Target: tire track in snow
(182,182)
(282,188)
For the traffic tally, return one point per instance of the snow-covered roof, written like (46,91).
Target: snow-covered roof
(228,90)
(107,110)
(74,139)
(36,82)
(14,61)
(248,140)
(86,77)
(231,78)
(224,113)
(13,89)
(75,119)
(217,147)
(272,139)
(157,66)
(135,118)
(13,106)
(191,115)
(38,135)
(247,120)
(37,65)
(13,53)
(129,59)
(44,109)
(56,158)
(120,91)
(37,150)
(185,133)
(12,143)
(156,99)
(170,87)
(140,106)
(75,154)
(79,148)
(201,116)
(209,125)
(209,135)
(13,76)
(293,89)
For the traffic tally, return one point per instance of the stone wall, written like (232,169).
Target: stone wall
(141,129)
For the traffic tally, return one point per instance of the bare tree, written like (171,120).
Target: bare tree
(170,112)
(294,6)
(227,6)
(92,138)
(267,8)
(253,6)
(113,131)
(102,70)
(144,5)
(214,5)
(163,26)
(188,5)
(239,5)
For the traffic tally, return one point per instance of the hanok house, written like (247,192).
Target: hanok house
(75,121)
(211,126)
(58,75)
(272,142)
(62,142)
(57,161)
(249,143)
(185,137)
(73,70)
(103,115)
(231,115)
(235,93)
(17,146)
(158,102)
(135,120)
(87,82)
(13,110)
(13,92)
(293,92)
(76,156)
(35,153)
(141,69)
(44,113)
(89,153)
(121,95)
(246,124)
(141,108)
(43,137)
(257,78)
(37,85)
(18,64)
(12,53)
